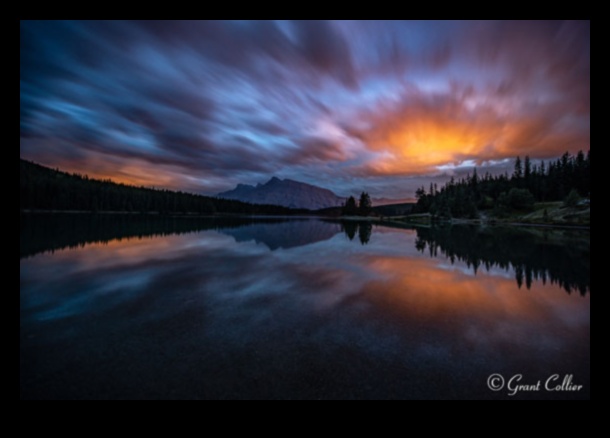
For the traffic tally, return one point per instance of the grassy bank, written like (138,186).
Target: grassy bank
(550,214)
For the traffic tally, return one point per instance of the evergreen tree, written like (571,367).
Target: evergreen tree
(365,206)
(518,173)
(527,173)
(350,208)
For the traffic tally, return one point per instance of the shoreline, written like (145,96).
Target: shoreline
(377,220)
(479,222)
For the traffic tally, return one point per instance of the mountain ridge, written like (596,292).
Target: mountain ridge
(285,192)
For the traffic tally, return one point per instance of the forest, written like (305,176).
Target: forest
(567,179)
(42,188)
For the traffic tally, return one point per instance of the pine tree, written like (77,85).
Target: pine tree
(350,208)
(518,173)
(365,206)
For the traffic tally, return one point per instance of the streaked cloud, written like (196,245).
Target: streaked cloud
(381,106)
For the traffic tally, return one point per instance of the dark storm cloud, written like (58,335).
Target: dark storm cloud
(204,105)
(151,90)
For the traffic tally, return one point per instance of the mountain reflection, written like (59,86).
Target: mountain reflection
(287,234)
(558,256)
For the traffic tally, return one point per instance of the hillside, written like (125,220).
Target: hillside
(42,188)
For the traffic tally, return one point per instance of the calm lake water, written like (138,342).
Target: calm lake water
(132,307)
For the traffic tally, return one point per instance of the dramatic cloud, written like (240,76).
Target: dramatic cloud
(384,106)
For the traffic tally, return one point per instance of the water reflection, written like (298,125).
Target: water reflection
(541,254)
(50,232)
(220,314)
(558,256)
(286,234)
(364,230)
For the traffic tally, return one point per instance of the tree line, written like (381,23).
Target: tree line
(42,188)
(568,178)
(363,208)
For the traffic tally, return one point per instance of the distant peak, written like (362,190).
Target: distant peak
(286,192)
(274,179)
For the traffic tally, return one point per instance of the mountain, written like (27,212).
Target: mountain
(286,192)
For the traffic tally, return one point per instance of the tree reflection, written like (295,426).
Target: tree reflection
(350,229)
(559,256)
(535,255)
(364,230)
(51,232)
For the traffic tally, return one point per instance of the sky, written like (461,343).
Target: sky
(347,105)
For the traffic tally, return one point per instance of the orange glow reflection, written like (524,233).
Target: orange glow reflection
(425,289)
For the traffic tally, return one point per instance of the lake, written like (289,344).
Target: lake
(137,307)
